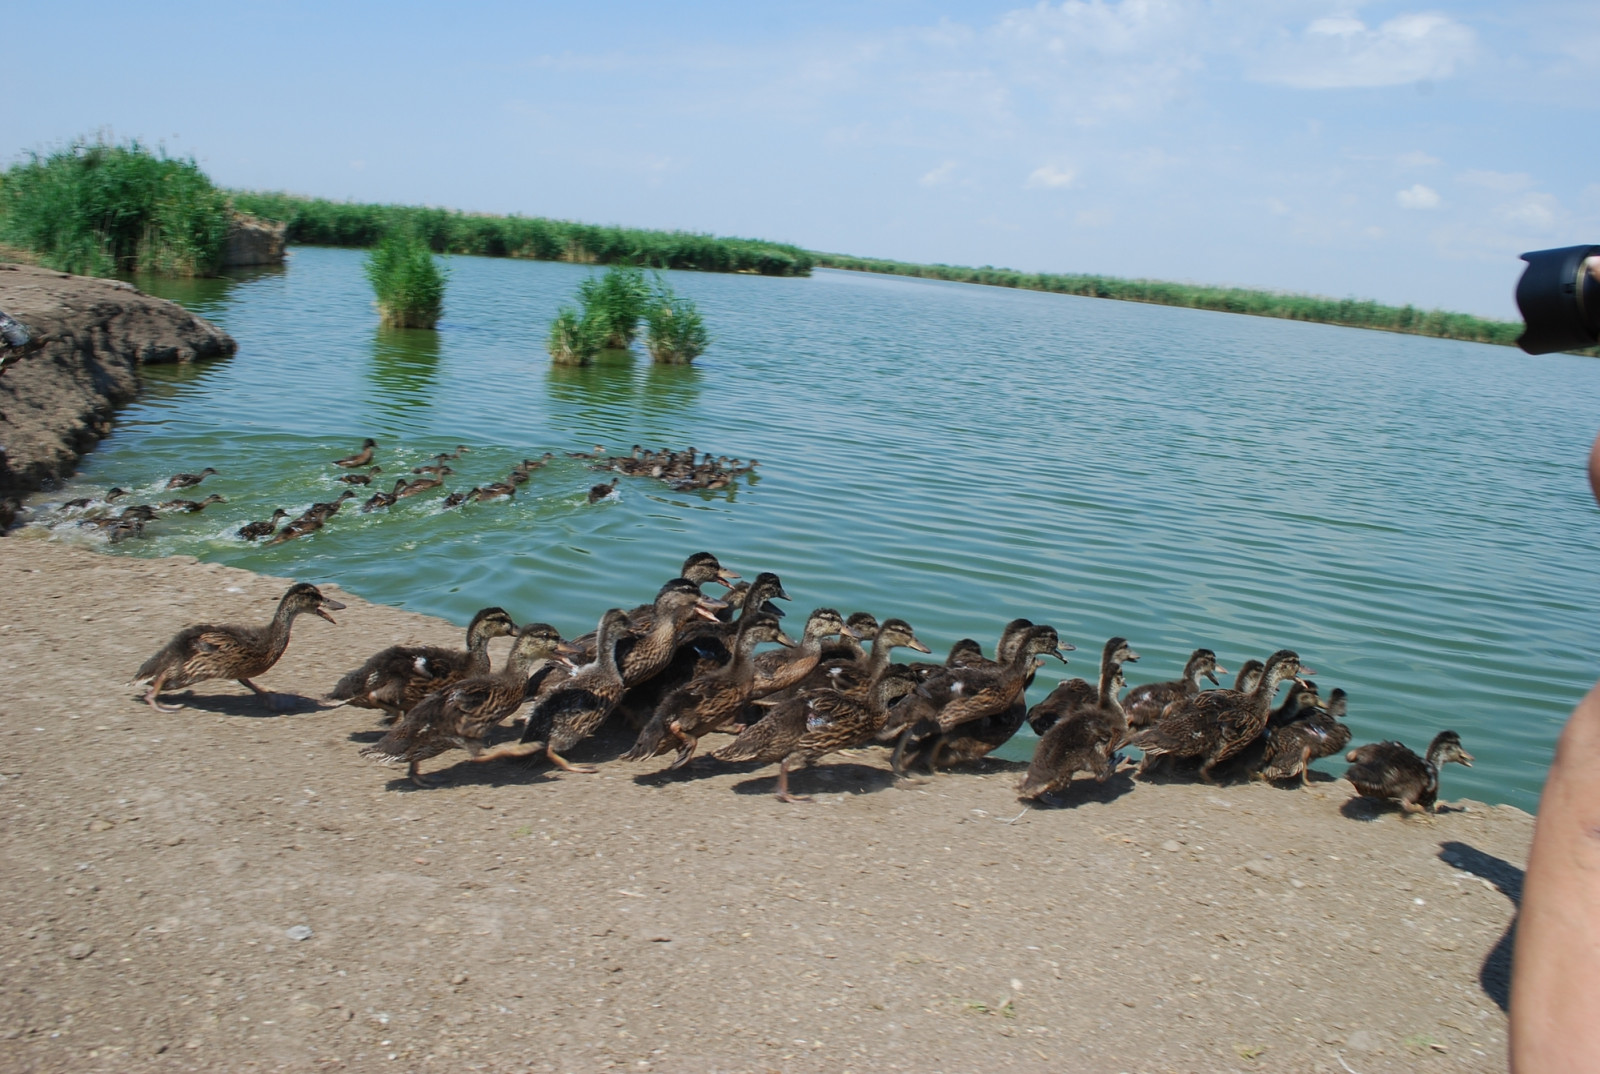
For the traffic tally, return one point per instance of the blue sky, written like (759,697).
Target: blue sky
(1400,151)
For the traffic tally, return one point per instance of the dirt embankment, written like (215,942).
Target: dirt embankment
(58,402)
(224,889)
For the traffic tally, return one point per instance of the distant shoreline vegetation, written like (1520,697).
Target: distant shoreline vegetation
(1350,312)
(321,222)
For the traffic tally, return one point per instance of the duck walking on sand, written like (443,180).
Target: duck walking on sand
(400,676)
(460,716)
(202,652)
(1085,739)
(1145,703)
(360,458)
(1389,771)
(186,481)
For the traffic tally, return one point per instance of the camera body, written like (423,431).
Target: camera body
(1560,300)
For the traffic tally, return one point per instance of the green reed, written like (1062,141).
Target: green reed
(675,333)
(407,281)
(1355,313)
(320,222)
(97,209)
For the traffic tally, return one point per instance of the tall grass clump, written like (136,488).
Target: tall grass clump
(408,283)
(674,331)
(615,302)
(574,338)
(98,209)
(319,222)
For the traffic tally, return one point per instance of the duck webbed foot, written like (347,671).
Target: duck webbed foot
(274,702)
(783,786)
(417,777)
(566,765)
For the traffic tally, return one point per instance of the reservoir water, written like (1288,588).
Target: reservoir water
(1409,514)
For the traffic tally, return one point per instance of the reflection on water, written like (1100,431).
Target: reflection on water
(1410,516)
(405,366)
(207,296)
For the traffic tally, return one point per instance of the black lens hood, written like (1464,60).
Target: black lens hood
(1561,311)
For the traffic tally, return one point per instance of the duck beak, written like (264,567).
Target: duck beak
(1214,672)
(726,577)
(708,611)
(918,646)
(1060,652)
(1466,758)
(847,632)
(327,605)
(784,639)
(566,648)
(1133,657)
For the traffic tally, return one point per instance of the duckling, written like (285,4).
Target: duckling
(438,469)
(811,725)
(517,477)
(1074,694)
(1249,676)
(298,528)
(493,491)
(326,510)
(1315,733)
(190,507)
(1086,739)
(456,499)
(385,499)
(600,492)
(400,676)
(461,449)
(862,627)
(782,668)
(643,654)
(124,529)
(460,716)
(979,738)
(361,479)
(1145,703)
(421,484)
(1216,724)
(198,653)
(965,694)
(360,458)
(184,481)
(79,503)
(139,512)
(708,702)
(1385,770)
(113,494)
(527,466)
(257,530)
(598,453)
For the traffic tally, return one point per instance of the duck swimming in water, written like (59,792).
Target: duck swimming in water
(360,458)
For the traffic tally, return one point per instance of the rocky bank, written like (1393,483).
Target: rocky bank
(93,336)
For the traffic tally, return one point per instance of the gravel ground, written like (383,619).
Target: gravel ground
(226,889)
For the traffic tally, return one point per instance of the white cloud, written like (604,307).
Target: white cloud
(1050,177)
(1535,212)
(939,176)
(1418,196)
(1343,53)
(1506,182)
(1417,159)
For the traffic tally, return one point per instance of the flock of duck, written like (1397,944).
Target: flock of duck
(686,666)
(681,470)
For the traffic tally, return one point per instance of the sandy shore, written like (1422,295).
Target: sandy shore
(515,920)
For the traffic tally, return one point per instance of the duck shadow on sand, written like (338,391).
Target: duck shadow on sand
(1494,976)
(1083,791)
(247,705)
(1368,809)
(843,777)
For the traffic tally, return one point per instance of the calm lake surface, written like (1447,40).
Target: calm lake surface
(1409,514)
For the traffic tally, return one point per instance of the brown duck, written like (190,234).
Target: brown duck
(198,653)
(360,458)
(708,702)
(1389,771)
(1213,725)
(397,678)
(1084,739)
(807,727)
(185,481)
(460,716)
(1314,733)
(1145,703)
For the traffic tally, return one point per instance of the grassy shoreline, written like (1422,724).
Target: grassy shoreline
(323,222)
(1349,312)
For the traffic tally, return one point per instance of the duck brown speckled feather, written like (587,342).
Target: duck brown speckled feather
(400,676)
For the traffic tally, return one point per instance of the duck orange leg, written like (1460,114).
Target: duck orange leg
(566,765)
(151,698)
(266,697)
(783,785)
